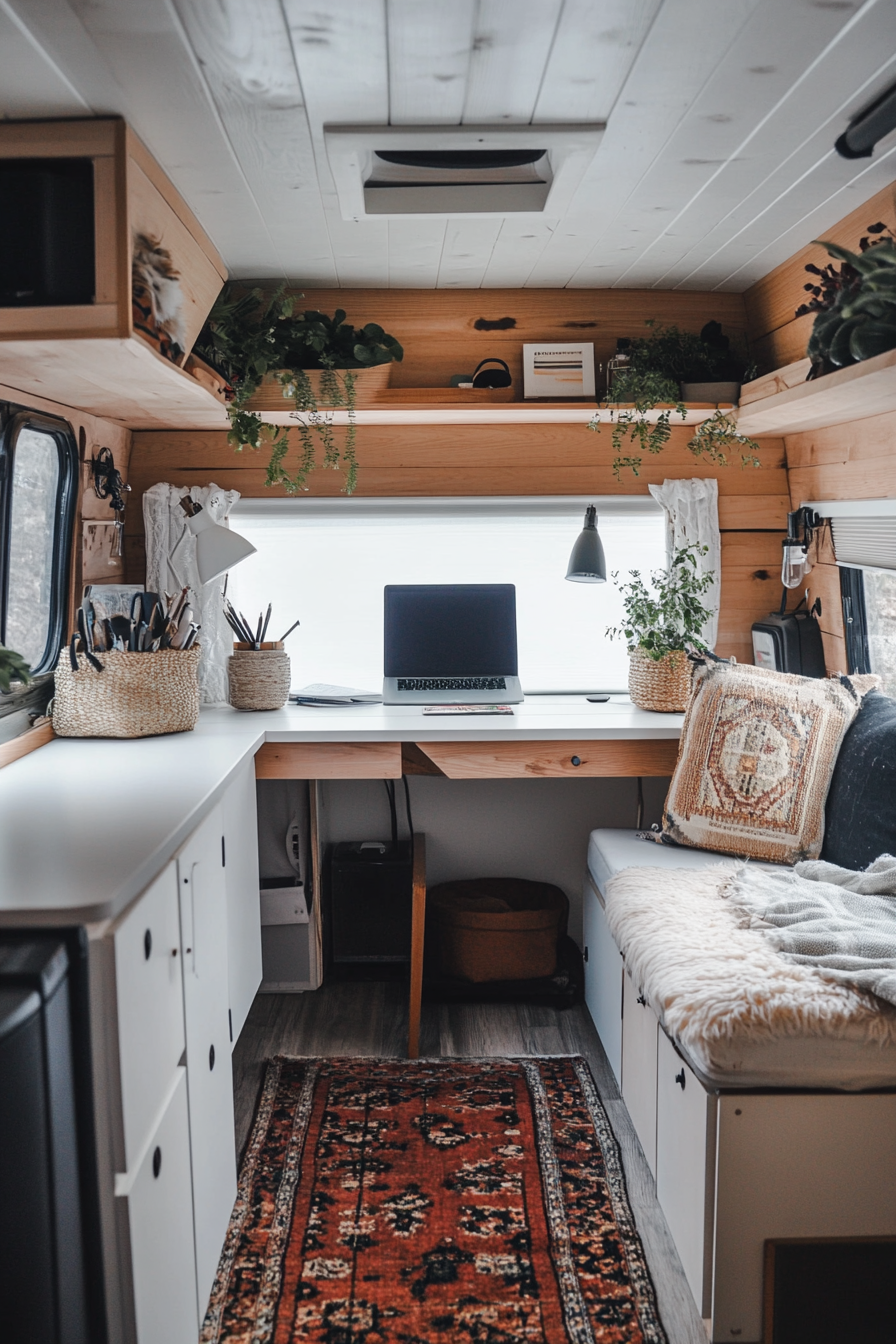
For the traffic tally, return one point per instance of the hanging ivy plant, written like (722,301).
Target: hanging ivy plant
(246,338)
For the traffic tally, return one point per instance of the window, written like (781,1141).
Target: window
(327,561)
(38,475)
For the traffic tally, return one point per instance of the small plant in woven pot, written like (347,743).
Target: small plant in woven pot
(662,623)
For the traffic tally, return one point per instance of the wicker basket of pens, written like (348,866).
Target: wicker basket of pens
(129,676)
(258,672)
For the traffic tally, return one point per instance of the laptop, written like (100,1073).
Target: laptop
(450,643)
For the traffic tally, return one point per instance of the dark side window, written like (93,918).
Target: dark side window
(38,495)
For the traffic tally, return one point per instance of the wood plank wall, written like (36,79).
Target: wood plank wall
(777,337)
(93,542)
(851,461)
(440,334)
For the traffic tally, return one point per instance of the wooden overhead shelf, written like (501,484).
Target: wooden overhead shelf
(120,379)
(455,406)
(784,403)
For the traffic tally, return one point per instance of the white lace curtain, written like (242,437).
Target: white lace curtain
(692,518)
(171,566)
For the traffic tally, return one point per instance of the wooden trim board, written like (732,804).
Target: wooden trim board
(25,743)
(328,760)
(612,758)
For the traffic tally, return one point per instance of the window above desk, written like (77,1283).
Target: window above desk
(327,561)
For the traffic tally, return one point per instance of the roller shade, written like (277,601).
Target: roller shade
(863,531)
(327,561)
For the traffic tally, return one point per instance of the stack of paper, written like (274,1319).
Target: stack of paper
(321,694)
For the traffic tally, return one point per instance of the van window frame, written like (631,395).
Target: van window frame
(14,419)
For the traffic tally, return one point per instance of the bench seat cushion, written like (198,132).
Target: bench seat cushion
(742,1015)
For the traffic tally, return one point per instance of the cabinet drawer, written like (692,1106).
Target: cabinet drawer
(685,1166)
(150,1007)
(639,1046)
(551,760)
(160,1221)
(603,977)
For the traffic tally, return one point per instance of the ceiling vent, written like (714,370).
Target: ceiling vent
(391,172)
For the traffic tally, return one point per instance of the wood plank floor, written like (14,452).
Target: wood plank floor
(371,1019)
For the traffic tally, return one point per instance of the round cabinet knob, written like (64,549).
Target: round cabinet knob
(679,1078)
(147,944)
(157,1163)
(211,1058)
(576,760)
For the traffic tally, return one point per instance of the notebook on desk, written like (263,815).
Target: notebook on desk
(450,642)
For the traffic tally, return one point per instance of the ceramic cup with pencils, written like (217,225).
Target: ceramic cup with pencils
(258,671)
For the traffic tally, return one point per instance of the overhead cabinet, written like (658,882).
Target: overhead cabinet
(89,197)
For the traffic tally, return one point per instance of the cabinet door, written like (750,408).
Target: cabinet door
(639,1045)
(160,1218)
(603,978)
(150,1007)
(203,908)
(685,1161)
(243,902)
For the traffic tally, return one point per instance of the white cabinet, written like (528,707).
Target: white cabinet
(603,977)
(685,1165)
(639,1047)
(243,908)
(160,1223)
(203,914)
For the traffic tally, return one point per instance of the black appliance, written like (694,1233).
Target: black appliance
(50,1270)
(790,642)
(370,901)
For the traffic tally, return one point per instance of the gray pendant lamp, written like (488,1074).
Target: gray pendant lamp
(587,563)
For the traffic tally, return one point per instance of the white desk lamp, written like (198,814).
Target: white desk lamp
(217,548)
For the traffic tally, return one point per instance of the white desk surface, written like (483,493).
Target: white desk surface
(87,824)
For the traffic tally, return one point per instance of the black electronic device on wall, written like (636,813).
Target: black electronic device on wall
(790,642)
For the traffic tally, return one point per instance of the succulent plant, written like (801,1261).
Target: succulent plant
(855,304)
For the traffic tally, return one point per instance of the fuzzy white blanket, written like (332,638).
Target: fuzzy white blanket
(710,977)
(840,922)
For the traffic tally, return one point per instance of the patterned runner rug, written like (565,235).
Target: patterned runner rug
(445,1201)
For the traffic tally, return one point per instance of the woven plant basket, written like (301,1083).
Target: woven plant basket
(663,685)
(498,928)
(136,694)
(259,678)
(369,384)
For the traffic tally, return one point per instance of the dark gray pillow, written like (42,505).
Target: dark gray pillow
(860,817)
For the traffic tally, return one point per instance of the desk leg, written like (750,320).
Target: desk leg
(418,923)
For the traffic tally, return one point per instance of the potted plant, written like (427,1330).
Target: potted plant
(313,360)
(12,668)
(662,623)
(855,306)
(663,370)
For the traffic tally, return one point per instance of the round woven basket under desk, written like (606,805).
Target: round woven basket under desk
(663,684)
(258,678)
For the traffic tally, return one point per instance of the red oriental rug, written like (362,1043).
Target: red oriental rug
(435,1201)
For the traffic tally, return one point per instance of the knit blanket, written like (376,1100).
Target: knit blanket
(839,922)
(713,977)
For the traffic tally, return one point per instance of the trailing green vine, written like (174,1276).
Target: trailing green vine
(247,338)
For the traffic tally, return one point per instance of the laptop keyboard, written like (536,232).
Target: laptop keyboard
(452,684)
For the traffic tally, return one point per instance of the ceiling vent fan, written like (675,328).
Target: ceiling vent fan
(390,172)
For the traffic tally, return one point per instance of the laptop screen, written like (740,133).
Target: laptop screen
(450,630)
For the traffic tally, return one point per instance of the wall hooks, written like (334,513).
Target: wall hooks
(107,480)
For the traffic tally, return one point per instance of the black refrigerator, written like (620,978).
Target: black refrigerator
(50,1264)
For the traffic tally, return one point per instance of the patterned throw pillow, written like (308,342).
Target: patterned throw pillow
(758,749)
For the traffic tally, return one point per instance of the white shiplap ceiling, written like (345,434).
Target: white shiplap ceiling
(717,162)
